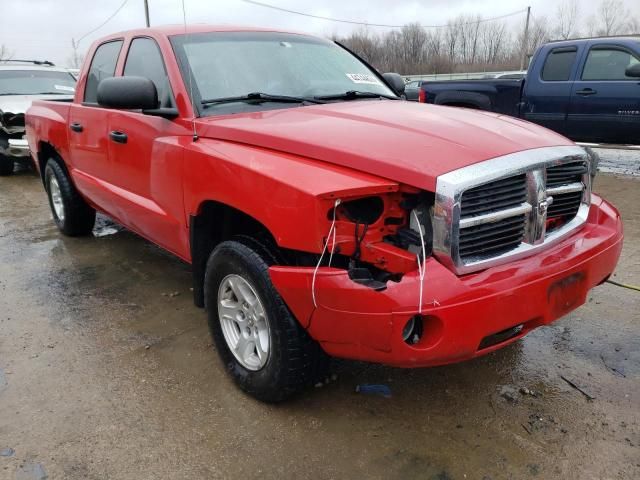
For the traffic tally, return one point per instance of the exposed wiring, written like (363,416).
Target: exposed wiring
(353,22)
(103,23)
(624,285)
(332,235)
(422,268)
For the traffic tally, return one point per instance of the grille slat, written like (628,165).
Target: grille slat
(482,244)
(497,195)
(567,173)
(493,237)
(565,206)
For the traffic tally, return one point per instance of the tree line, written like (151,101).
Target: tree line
(468,43)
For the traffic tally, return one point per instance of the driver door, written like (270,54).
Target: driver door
(147,160)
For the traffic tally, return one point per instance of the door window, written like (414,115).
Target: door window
(608,64)
(145,60)
(557,66)
(103,65)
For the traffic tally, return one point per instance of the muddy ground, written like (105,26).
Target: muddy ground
(107,371)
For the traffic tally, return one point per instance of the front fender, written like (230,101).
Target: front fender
(284,192)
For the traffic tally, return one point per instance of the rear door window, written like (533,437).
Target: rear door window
(608,63)
(103,65)
(557,67)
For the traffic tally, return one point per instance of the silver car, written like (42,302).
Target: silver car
(22,82)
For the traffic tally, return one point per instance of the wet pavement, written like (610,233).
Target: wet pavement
(107,371)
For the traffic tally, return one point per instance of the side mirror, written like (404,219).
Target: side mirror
(633,70)
(396,81)
(128,93)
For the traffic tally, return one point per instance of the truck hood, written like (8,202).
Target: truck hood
(409,143)
(13,108)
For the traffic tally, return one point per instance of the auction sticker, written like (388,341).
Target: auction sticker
(363,78)
(65,88)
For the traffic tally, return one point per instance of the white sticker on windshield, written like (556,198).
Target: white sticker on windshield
(65,88)
(363,78)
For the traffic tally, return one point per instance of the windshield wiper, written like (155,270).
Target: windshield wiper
(354,95)
(260,97)
(53,93)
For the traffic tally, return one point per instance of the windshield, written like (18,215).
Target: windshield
(235,64)
(36,82)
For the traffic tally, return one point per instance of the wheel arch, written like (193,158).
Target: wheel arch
(46,151)
(464,99)
(213,223)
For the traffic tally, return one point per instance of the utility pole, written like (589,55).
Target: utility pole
(146,12)
(525,41)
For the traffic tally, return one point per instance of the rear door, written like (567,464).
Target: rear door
(605,103)
(146,158)
(548,89)
(88,129)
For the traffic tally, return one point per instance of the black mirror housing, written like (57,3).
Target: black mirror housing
(633,70)
(128,93)
(396,81)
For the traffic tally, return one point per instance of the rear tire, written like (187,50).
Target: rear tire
(6,166)
(73,216)
(292,361)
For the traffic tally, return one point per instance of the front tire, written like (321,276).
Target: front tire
(6,166)
(264,348)
(73,216)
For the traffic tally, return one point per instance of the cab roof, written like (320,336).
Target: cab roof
(179,29)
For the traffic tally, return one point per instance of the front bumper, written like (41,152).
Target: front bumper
(464,317)
(16,148)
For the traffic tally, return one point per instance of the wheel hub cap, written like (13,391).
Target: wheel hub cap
(56,198)
(244,323)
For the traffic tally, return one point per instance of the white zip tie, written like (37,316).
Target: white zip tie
(331,234)
(421,268)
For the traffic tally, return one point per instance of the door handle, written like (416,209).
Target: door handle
(586,91)
(118,137)
(76,127)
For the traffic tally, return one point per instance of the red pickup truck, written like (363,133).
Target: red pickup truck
(320,213)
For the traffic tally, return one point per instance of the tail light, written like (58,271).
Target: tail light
(422,95)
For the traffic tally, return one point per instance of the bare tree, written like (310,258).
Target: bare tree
(75,59)
(567,15)
(611,18)
(5,54)
(538,34)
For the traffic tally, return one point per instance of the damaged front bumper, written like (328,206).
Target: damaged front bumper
(463,316)
(16,148)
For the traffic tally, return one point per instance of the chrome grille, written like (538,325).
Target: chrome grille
(498,210)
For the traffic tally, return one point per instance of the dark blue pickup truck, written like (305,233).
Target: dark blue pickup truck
(586,89)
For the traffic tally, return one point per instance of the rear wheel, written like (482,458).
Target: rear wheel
(6,166)
(264,348)
(73,216)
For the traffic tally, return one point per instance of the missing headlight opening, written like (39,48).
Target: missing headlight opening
(380,238)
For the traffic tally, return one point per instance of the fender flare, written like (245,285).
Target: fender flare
(472,99)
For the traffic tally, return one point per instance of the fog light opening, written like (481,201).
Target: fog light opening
(412,331)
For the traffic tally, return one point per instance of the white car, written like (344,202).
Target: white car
(21,82)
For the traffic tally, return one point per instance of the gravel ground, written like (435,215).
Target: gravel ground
(625,162)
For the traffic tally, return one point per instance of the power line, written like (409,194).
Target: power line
(103,23)
(353,22)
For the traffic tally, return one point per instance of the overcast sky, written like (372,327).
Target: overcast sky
(43,29)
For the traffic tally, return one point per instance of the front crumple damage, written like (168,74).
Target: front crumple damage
(12,133)
(11,123)
(460,313)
